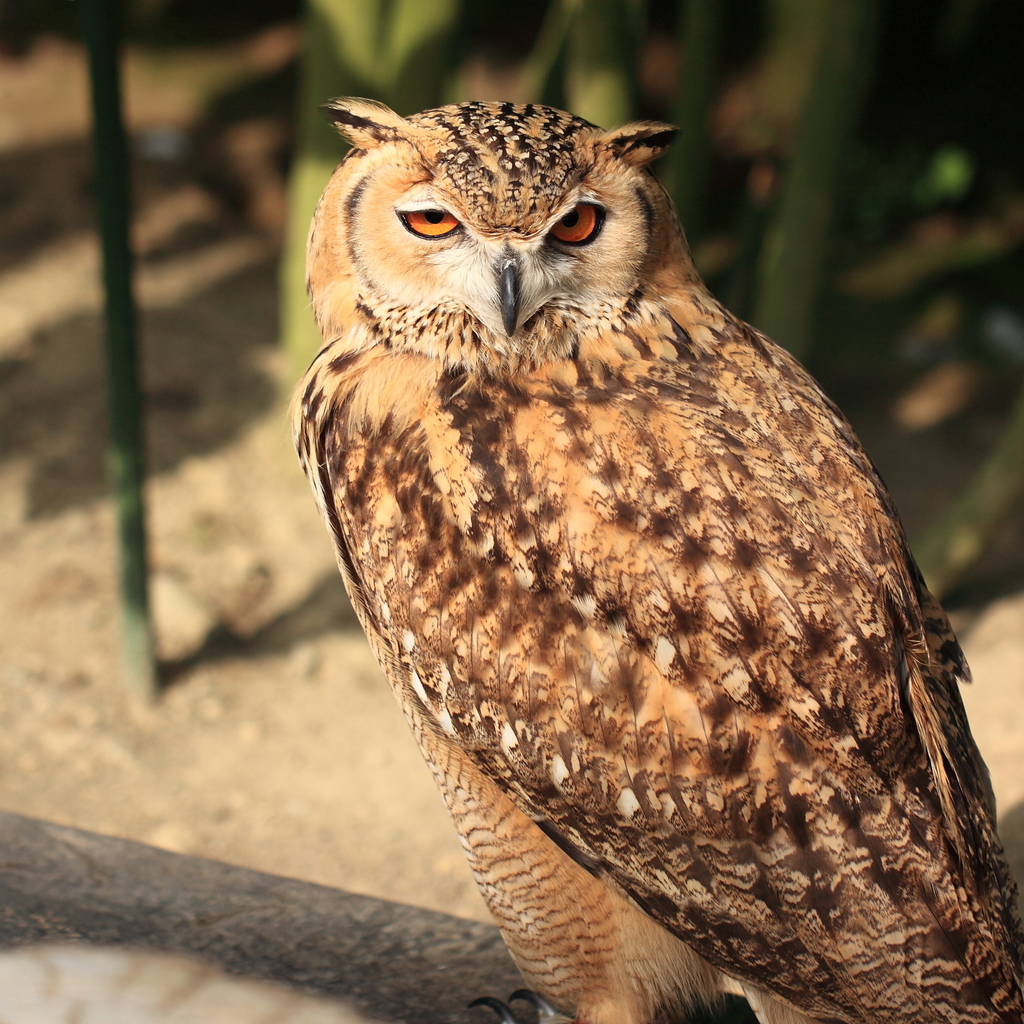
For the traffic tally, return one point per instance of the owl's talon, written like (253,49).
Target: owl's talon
(544,1008)
(500,1008)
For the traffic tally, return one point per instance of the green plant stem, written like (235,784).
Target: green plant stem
(601,60)
(395,52)
(126,457)
(685,170)
(961,536)
(540,67)
(793,258)
(321,77)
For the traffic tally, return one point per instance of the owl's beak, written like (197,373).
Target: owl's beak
(509,292)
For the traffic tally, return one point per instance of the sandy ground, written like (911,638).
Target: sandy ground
(276,743)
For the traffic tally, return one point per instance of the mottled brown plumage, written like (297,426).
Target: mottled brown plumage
(642,596)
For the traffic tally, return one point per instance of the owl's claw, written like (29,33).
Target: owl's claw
(546,1011)
(501,1009)
(547,1014)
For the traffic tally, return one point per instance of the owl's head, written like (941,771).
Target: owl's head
(487,217)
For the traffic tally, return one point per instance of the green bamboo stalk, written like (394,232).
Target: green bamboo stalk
(684,171)
(541,66)
(956,24)
(126,455)
(794,254)
(323,74)
(967,528)
(601,60)
(395,52)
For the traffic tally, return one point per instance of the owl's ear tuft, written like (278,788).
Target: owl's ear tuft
(640,142)
(365,123)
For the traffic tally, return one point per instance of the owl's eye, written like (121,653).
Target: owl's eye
(581,224)
(429,223)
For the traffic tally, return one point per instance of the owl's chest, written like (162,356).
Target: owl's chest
(415,508)
(659,501)
(505,483)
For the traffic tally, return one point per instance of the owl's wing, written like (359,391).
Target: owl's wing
(730,694)
(670,610)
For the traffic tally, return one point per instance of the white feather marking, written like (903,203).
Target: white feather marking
(668,806)
(664,654)
(508,738)
(627,803)
(524,577)
(585,604)
(417,685)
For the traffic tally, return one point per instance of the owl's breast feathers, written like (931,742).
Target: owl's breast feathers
(660,595)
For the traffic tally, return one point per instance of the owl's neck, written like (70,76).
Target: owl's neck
(385,367)
(454,340)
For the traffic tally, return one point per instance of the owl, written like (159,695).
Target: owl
(642,597)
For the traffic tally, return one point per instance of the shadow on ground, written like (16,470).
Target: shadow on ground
(324,609)
(46,194)
(203,382)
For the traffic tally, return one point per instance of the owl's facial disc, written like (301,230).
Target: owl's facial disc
(502,279)
(437,247)
(489,228)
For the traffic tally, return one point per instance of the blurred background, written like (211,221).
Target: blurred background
(850,174)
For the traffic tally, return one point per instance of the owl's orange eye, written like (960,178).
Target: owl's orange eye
(581,224)
(430,223)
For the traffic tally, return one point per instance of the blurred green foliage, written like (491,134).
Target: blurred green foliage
(947,179)
(792,263)
(842,163)
(397,52)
